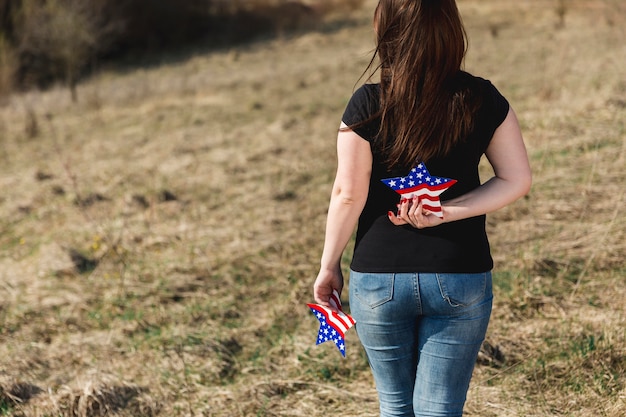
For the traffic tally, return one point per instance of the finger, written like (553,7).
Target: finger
(416,206)
(403,210)
(408,213)
(322,294)
(405,206)
(414,210)
(424,215)
(417,213)
(395,219)
(325,301)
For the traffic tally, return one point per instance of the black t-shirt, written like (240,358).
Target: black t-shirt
(459,246)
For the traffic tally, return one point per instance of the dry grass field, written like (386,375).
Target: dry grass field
(159,238)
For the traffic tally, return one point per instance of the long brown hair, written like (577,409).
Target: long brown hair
(424,110)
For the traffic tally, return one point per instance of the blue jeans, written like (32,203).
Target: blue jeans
(422,333)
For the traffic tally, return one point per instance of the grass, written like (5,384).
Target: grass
(196,192)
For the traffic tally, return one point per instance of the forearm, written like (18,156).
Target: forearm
(343,213)
(491,196)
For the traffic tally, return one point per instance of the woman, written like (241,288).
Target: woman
(420,279)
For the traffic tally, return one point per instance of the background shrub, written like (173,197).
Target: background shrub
(7,66)
(44,41)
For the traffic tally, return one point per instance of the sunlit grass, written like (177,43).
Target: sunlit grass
(214,176)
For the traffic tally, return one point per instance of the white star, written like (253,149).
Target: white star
(392,183)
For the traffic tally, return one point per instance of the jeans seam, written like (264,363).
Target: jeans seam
(416,291)
(444,291)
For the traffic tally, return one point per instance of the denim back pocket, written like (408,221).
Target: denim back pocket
(462,290)
(372,289)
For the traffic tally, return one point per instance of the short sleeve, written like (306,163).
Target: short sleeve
(494,110)
(499,104)
(358,113)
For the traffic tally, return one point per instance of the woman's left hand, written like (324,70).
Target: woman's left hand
(328,280)
(411,211)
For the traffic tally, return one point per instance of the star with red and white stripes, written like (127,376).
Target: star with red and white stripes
(333,324)
(419,182)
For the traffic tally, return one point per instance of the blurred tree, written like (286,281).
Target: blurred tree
(58,38)
(6,21)
(7,66)
(43,41)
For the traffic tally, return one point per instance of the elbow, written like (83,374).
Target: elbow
(528,182)
(349,197)
(346,199)
(524,184)
(517,186)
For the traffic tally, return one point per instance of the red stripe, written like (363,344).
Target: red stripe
(339,319)
(352,321)
(427,197)
(337,301)
(328,320)
(430,187)
(335,315)
(434,209)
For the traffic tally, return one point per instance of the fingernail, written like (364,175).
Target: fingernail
(390,213)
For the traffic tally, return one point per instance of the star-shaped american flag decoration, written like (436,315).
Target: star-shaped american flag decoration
(420,183)
(333,324)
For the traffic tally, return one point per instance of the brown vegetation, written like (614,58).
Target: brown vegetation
(44,41)
(159,239)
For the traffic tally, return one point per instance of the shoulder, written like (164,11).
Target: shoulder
(361,112)
(493,102)
(369,89)
(364,103)
(366,94)
(476,83)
